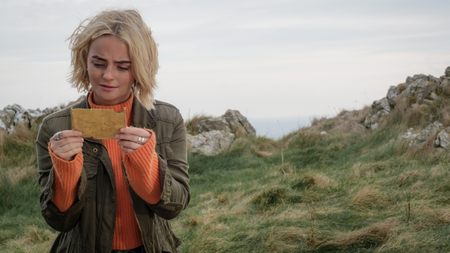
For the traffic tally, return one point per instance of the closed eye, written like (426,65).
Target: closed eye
(98,64)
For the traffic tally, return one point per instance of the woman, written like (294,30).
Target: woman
(114,195)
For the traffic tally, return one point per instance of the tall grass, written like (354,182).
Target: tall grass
(21,227)
(18,148)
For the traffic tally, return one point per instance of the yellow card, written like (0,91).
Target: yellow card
(98,123)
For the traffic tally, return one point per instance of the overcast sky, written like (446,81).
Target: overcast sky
(265,58)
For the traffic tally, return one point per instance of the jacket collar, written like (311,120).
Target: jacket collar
(141,117)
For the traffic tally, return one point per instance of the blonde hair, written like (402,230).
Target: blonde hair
(128,26)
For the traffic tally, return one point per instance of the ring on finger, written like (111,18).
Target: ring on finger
(140,140)
(57,136)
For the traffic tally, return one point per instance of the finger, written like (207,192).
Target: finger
(68,133)
(69,140)
(129,144)
(61,152)
(127,150)
(68,156)
(133,138)
(54,144)
(135,131)
(68,151)
(126,137)
(70,146)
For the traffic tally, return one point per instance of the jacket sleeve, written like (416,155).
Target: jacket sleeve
(173,172)
(61,221)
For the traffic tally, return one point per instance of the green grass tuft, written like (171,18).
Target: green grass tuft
(269,197)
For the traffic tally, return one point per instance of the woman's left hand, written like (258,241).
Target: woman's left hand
(132,138)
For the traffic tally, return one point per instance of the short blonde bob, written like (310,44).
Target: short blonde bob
(128,26)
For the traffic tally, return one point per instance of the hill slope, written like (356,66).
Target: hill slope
(349,189)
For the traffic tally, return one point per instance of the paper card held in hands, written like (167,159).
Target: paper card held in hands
(98,123)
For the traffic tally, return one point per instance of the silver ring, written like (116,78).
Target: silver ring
(57,136)
(140,140)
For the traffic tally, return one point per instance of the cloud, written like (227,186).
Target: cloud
(268,58)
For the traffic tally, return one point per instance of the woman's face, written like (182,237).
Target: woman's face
(109,69)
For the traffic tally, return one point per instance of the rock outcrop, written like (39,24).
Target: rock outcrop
(422,136)
(217,134)
(15,114)
(418,89)
(380,109)
(443,139)
(418,92)
(435,130)
(210,143)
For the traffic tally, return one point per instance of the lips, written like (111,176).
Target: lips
(107,87)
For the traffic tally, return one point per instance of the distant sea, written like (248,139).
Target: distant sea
(275,128)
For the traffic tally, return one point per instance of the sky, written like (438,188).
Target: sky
(269,59)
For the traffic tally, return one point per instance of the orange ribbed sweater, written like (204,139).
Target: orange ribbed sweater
(142,168)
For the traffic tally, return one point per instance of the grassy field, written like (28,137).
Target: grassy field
(349,190)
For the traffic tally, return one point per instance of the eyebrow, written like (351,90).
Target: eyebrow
(101,59)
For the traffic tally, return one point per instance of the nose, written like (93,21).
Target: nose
(108,74)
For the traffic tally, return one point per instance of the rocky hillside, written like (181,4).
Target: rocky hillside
(420,101)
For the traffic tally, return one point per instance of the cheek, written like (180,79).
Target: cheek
(91,78)
(128,80)
(92,73)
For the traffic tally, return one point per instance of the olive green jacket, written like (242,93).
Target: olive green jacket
(88,225)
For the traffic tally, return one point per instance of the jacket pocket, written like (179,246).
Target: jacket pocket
(91,168)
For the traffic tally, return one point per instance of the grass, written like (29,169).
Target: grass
(358,193)
(348,190)
(21,227)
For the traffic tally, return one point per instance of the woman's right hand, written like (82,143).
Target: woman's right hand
(66,144)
